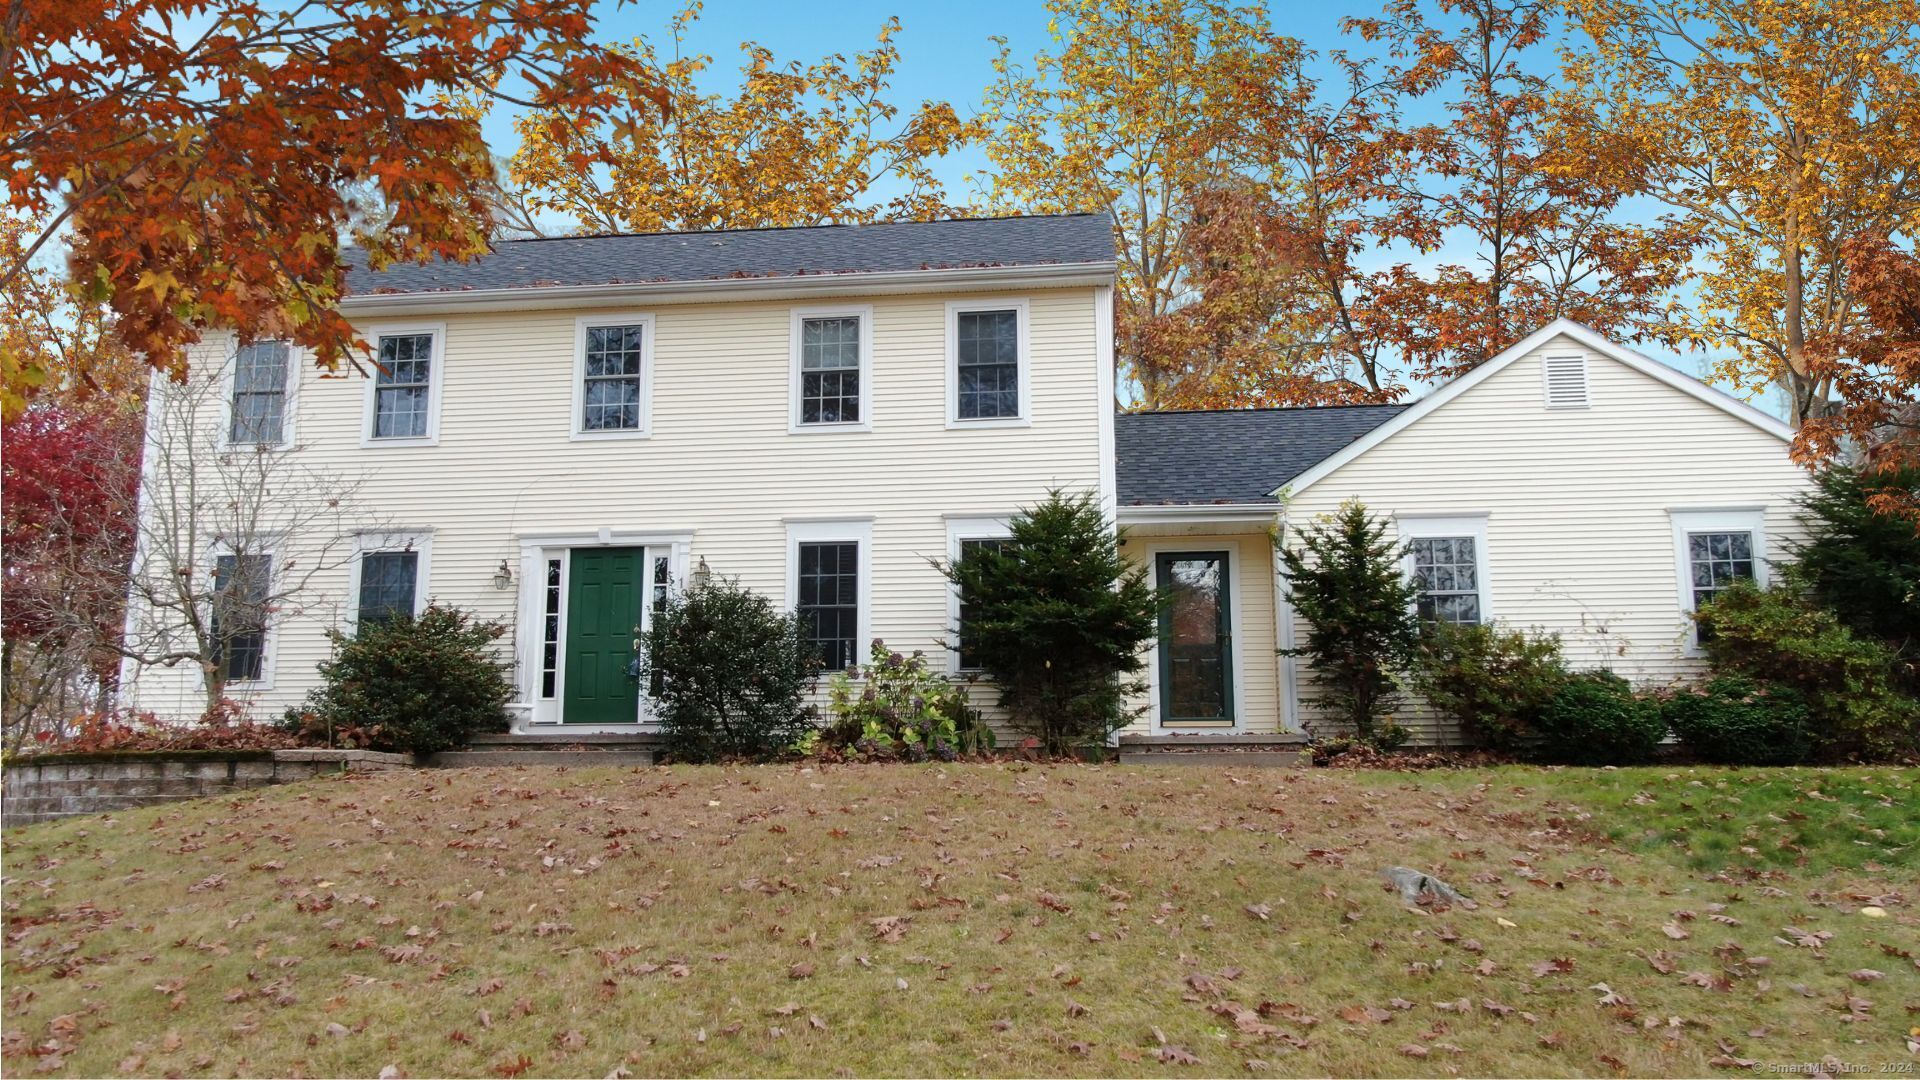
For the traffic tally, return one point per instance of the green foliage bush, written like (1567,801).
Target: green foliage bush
(1494,681)
(1345,579)
(1774,637)
(1864,565)
(897,706)
(1736,721)
(1595,719)
(1056,618)
(408,684)
(732,672)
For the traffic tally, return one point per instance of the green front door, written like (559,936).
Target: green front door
(1196,647)
(605,590)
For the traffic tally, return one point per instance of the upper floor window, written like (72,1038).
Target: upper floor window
(613,376)
(404,397)
(831,373)
(238,620)
(612,391)
(987,362)
(260,380)
(1447,574)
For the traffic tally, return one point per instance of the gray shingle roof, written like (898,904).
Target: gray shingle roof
(1230,456)
(748,253)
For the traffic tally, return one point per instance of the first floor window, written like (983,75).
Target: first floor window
(610,396)
(968,548)
(830,370)
(388,580)
(1717,560)
(829,601)
(238,622)
(987,365)
(1446,573)
(403,387)
(259,393)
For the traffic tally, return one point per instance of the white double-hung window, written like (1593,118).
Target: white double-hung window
(1446,560)
(832,369)
(403,397)
(1713,549)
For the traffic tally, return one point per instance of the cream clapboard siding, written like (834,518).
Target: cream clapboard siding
(1256,683)
(720,461)
(1579,537)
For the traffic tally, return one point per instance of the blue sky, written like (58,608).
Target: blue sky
(946,51)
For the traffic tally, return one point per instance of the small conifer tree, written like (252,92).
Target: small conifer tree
(1056,617)
(1346,582)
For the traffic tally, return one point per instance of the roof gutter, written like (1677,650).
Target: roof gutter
(1181,513)
(780,287)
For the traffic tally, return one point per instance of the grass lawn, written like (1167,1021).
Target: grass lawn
(978,919)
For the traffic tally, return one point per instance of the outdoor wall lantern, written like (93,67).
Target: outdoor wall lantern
(503,577)
(702,575)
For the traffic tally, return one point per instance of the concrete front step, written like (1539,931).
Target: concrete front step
(539,758)
(640,740)
(1233,759)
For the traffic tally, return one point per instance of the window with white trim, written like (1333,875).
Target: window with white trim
(987,363)
(237,622)
(1716,560)
(403,386)
(259,407)
(1713,549)
(830,370)
(1446,573)
(830,586)
(613,376)
(389,585)
(1446,563)
(552,587)
(610,390)
(969,546)
(829,602)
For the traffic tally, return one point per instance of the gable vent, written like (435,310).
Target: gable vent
(1565,379)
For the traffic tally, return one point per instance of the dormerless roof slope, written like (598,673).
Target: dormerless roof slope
(1230,456)
(647,258)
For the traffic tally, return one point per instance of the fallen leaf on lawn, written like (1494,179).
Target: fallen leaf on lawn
(890,927)
(1365,1014)
(1866,975)
(1176,1055)
(801,970)
(1555,966)
(1413,1050)
(1504,922)
(1263,912)
(1675,931)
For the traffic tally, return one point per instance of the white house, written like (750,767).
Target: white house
(1568,484)
(564,429)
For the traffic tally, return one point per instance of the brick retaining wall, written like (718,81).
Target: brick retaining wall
(64,785)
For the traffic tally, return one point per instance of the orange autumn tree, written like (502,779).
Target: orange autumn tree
(1140,111)
(1784,131)
(795,145)
(193,155)
(1543,226)
(1874,368)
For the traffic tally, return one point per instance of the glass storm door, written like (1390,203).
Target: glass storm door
(1196,648)
(606,593)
